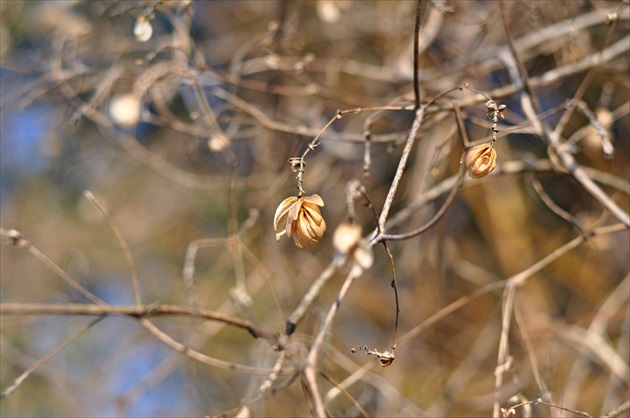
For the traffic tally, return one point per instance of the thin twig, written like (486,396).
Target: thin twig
(309,297)
(143,311)
(531,353)
(617,411)
(263,396)
(402,163)
(416,69)
(356,404)
(553,206)
(21,378)
(18,241)
(135,283)
(311,361)
(615,301)
(508,302)
(394,284)
(196,355)
(433,221)
(315,142)
(395,287)
(579,93)
(553,136)
(512,410)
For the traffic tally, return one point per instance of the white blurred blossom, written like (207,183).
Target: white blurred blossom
(125,109)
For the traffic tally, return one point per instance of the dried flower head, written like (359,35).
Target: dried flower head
(301,218)
(385,358)
(481,160)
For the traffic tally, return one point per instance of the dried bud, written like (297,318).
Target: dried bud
(301,218)
(481,160)
(142,29)
(296,164)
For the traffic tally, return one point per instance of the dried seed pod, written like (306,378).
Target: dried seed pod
(301,218)
(481,160)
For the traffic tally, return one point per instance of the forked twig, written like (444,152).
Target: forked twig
(553,136)
(511,411)
(434,220)
(503,361)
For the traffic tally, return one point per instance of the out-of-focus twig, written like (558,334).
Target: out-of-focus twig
(509,294)
(552,136)
(21,378)
(143,311)
(16,239)
(416,58)
(123,243)
(310,370)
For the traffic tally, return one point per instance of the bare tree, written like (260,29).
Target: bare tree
(220,208)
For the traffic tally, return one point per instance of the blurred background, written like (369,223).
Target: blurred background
(180,116)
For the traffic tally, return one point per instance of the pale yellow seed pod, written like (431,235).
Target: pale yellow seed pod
(347,241)
(481,160)
(346,237)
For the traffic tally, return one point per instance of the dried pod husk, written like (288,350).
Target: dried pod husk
(481,160)
(300,218)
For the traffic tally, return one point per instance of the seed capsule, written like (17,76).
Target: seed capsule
(301,218)
(481,160)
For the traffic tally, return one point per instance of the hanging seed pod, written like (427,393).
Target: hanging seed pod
(481,160)
(300,218)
